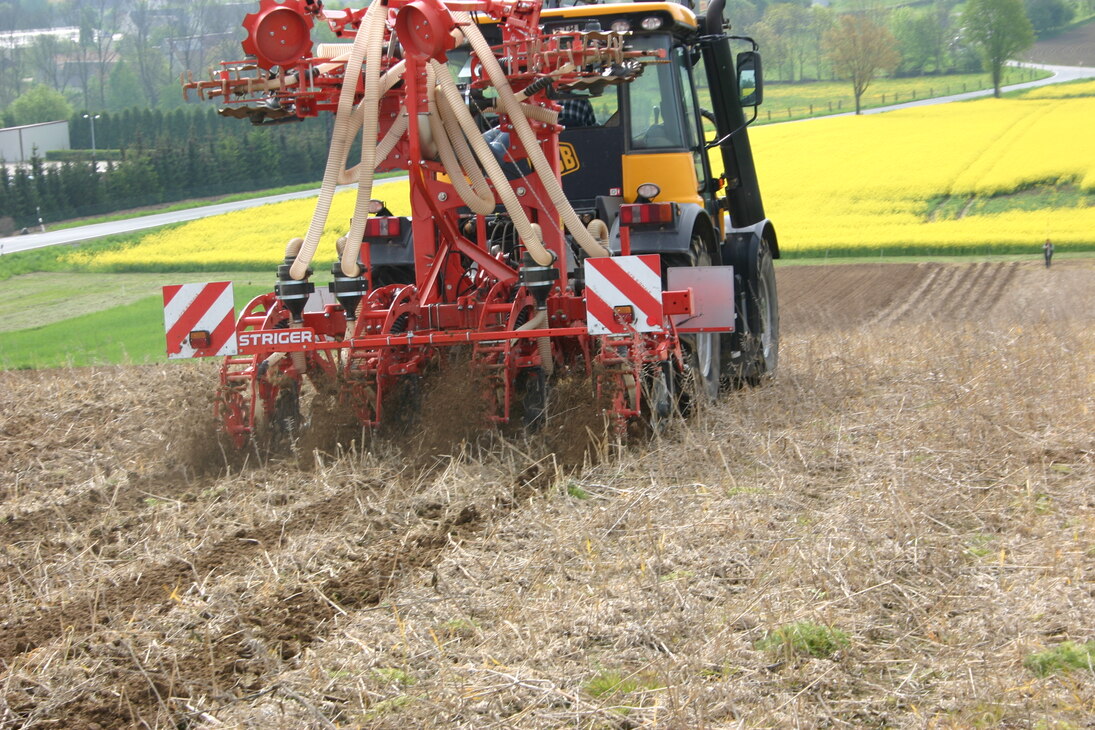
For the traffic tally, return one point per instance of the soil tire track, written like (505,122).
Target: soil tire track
(100,606)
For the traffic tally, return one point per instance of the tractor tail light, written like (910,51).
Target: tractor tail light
(200,339)
(382,227)
(624,313)
(638,214)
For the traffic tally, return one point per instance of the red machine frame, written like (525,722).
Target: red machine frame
(463,294)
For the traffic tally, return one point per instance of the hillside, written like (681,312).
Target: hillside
(917,478)
(1075,47)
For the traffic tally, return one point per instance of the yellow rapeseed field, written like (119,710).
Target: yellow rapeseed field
(1062,91)
(838,184)
(242,239)
(872,182)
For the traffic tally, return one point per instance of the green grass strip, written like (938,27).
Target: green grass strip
(129,334)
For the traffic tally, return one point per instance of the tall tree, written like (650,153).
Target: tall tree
(998,29)
(40,104)
(106,19)
(11,55)
(945,21)
(821,20)
(45,56)
(860,49)
(124,88)
(82,61)
(783,33)
(150,61)
(1049,14)
(913,27)
(188,47)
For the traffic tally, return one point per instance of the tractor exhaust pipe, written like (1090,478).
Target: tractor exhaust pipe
(712,21)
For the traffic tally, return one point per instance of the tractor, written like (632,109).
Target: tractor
(566,217)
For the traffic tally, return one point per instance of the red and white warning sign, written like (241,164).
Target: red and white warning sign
(200,320)
(624,293)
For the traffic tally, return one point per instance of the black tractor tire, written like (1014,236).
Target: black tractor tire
(750,355)
(702,350)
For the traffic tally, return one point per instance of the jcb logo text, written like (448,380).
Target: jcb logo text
(568,158)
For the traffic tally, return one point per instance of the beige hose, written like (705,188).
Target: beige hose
(390,78)
(383,149)
(528,236)
(334,51)
(521,126)
(339,140)
(458,159)
(293,247)
(531,111)
(599,230)
(395,132)
(543,344)
(370,110)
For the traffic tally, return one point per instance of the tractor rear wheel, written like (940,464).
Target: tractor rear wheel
(702,355)
(751,353)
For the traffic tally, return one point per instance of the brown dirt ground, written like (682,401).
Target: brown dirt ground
(1074,47)
(918,476)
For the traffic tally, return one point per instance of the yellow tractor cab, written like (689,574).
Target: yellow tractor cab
(648,142)
(638,155)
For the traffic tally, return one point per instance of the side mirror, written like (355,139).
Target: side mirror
(750,81)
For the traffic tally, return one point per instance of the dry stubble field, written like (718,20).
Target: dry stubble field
(919,477)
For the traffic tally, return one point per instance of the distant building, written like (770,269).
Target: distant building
(18,144)
(26,38)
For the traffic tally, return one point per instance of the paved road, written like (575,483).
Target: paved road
(112,228)
(98,230)
(1061,74)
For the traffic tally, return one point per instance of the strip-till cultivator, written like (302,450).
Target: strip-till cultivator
(531,277)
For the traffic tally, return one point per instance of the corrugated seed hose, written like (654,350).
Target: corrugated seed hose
(370,110)
(451,128)
(374,21)
(456,155)
(543,344)
(528,236)
(599,230)
(512,107)
(395,132)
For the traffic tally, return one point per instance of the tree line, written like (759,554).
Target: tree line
(110,54)
(925,36)
(929,36)
(107,55)
(164,158)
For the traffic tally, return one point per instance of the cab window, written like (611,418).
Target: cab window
(654,107)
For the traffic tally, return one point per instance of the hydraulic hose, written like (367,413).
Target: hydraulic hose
(512,108)
(525,231)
